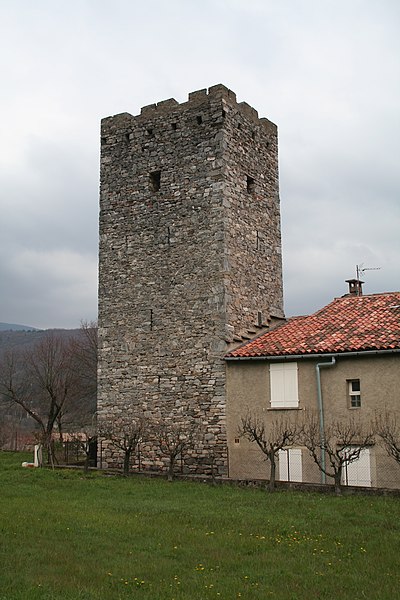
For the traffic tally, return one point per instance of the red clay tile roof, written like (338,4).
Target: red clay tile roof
(348,324)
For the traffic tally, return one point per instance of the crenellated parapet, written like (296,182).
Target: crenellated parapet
(199,99)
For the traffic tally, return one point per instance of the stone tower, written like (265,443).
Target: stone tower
(190,258)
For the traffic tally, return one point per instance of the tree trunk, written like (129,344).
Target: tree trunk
(60,431)
(338,482)
(272,478)
(48,445)
(127,460)
(87,458)
(171,469)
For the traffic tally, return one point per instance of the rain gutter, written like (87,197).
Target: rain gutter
(283,357)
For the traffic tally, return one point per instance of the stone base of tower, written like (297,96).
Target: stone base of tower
(186,404)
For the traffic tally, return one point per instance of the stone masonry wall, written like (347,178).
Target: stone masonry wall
(189,259)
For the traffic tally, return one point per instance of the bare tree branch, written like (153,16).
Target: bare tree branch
(173,440)
(388,429)
(84,438)
(279,434)
(339,445)
(125,435)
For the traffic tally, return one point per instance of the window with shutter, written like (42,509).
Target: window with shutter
(283,385)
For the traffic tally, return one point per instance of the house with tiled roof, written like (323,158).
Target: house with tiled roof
(342,363)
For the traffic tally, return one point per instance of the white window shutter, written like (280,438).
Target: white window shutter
(358,472)
(277,381)
(291,386)
(290,465)
(283,385)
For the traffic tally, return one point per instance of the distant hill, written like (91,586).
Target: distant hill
(26,337)
(15,327)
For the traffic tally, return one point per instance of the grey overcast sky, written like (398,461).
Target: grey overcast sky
(326,72)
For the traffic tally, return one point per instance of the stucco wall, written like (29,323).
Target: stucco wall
(248,389)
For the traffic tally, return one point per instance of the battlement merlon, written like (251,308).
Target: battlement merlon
(196,99)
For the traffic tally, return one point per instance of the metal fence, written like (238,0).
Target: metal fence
(373,469)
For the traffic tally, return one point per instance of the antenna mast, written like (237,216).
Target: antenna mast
(360,270)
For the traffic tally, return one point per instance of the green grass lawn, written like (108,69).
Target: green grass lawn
(64,535)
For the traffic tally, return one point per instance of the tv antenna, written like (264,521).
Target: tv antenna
(360,270)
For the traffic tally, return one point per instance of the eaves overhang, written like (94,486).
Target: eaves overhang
(285,357)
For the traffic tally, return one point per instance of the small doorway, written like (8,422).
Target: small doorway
(358,472)
(290,465)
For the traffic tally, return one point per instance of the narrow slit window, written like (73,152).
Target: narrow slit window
(127,137)
(250,185)
(155,181)
(173,126)
(199,119)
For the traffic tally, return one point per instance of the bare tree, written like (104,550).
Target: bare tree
(13,424)
(80,408)
(340,444)
(125,435)
(4,436)
(41,380)
(173,440)
(85,351)
(84,438)
(388,429)
(279,434)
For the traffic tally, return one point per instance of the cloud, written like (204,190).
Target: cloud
(50,284)
(327,73)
